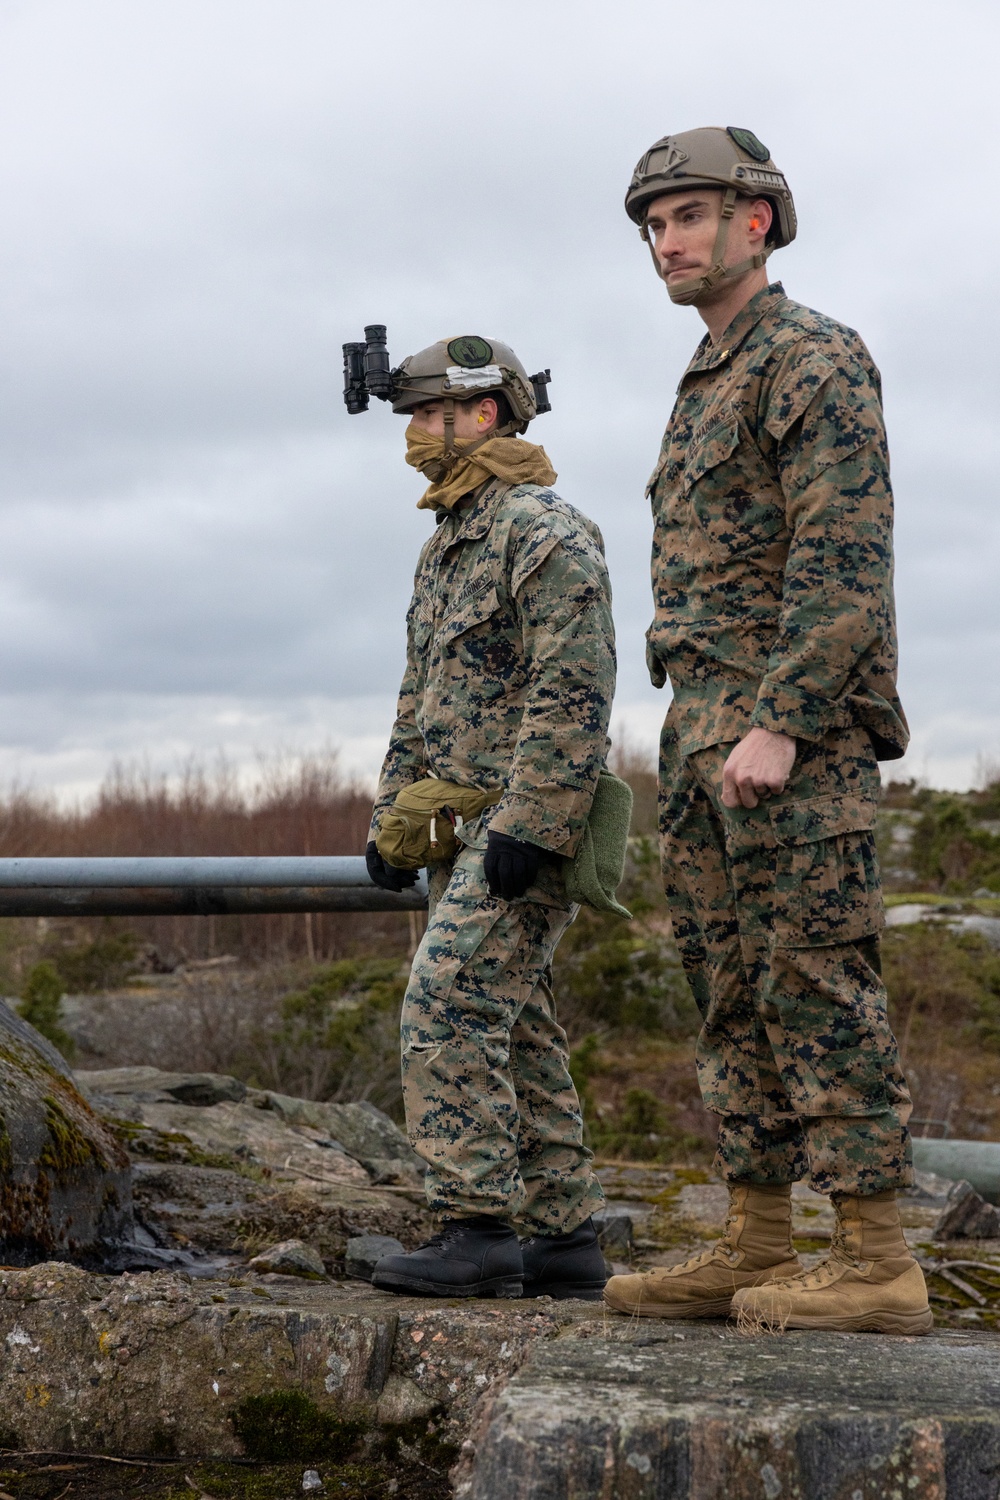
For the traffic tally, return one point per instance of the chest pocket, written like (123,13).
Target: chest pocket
(480,641)
(469,614)
(734,496)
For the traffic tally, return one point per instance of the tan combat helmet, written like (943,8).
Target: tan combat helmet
(460,368)
(731,159)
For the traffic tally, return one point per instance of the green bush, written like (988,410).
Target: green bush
(941,983)
(951,851)
(41,999)
(643,1128)
(339,1037)
(626,975)
(104,964)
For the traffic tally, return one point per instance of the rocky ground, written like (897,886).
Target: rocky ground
(256,1339)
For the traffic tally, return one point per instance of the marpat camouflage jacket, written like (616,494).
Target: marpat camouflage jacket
(510,663)
(772,544)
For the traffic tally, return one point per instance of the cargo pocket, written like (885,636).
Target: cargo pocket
(827,885)
(450,947)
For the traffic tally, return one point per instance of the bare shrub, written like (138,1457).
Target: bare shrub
(294,805)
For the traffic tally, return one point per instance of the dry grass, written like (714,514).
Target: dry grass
(295,806)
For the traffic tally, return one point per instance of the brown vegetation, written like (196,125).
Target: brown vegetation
(312,1008)
(302,806)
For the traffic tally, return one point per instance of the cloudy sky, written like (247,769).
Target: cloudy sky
(201,200)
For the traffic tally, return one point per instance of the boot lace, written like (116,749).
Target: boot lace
(829,1270)
(445,1236)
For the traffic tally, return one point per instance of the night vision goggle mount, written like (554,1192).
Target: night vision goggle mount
(368,372)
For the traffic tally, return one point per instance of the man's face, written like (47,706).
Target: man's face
(473,419)
(683,226)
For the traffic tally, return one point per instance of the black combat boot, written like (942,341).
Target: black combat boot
(474,1257)
(565,1265)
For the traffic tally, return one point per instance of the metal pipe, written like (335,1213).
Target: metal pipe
(976,1162)
(195,886)
(199,870)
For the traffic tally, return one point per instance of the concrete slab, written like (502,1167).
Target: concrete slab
(701,1413)
(161,1363)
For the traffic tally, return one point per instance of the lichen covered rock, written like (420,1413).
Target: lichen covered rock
(290,1258)
(65,1179)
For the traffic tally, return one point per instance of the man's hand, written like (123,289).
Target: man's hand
(510,865)
(387,876)
(757,767)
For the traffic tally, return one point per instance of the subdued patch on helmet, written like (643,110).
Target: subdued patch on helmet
(748,142)
(470,352)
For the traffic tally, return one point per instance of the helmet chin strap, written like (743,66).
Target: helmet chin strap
(688,293)
(451,456)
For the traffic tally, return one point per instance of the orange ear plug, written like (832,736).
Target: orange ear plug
(754,223)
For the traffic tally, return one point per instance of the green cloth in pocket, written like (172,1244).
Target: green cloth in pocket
(595,873)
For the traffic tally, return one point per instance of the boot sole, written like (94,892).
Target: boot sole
(498,1286)
(585,1291)
(886,1322)
(720,1308)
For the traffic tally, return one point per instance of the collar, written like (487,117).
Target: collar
(472,522)
(763,304)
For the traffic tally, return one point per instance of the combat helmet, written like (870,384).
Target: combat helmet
(733,160)
(458,369)
(455,369)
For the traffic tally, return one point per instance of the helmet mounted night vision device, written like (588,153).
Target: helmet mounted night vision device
(456,369)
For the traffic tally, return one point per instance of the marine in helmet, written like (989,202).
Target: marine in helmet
(500,736)
(774,621)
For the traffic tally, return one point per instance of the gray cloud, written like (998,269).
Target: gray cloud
(198,547)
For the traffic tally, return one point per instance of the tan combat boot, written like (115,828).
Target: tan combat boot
(756,1246)
(869,1281)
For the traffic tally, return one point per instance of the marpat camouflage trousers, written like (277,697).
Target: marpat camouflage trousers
(490,1105)
(777,912)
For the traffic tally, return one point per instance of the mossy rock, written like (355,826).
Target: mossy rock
(65,1178)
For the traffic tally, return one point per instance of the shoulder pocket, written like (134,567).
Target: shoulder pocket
(795,392)
(420,623)
(654,478)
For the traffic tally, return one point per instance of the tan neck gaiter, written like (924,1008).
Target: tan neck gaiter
(507,458)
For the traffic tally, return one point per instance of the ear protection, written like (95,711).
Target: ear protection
(755,223)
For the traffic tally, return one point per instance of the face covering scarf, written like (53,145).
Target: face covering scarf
(507,458)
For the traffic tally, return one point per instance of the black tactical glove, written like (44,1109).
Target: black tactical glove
(511,865)
(387,876)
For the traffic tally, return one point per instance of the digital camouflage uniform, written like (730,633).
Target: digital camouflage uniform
(772,580)
(509,681)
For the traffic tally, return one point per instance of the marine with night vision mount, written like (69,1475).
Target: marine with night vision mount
(509,677)
(457,368)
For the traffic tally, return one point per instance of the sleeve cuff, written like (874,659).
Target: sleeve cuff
(793,711)
(526,818)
